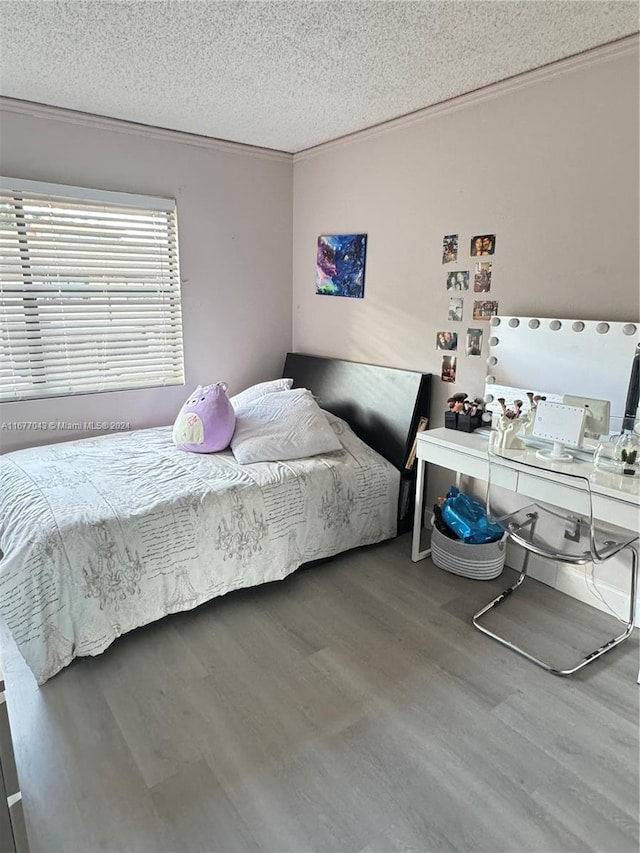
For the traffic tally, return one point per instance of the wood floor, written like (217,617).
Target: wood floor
(351,707)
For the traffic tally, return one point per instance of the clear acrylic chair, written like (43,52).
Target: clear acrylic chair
(566,536)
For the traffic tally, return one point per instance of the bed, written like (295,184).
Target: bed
(103,535)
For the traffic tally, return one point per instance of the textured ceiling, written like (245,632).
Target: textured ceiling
(283,75)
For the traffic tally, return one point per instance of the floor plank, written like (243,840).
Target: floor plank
(351,708)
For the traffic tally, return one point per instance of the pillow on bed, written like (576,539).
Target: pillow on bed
(281,426)
(254,392)
(206,422)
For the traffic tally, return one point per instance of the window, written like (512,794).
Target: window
(89,291)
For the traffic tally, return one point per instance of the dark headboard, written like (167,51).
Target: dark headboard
(381,404)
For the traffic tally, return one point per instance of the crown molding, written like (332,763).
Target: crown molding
(621,47)
(604,53)
(44,111)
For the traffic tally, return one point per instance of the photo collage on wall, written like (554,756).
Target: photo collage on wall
(480,276)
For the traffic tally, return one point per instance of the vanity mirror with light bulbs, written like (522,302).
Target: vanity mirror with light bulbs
(575,362)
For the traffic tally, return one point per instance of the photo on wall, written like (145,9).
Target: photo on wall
(447,340)
(483,244)
(473,342)
(448,369)
(340,265)
(450,249)
(455,308)
(482,277)
(485,310)
(458,280)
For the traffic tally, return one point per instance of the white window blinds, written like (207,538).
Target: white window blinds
(89,291)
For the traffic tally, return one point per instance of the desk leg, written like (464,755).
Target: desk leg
(416,553)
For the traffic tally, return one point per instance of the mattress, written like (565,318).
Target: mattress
(104,535)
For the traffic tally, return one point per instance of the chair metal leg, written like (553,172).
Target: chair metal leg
(605,647)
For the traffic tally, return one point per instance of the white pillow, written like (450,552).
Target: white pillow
(254,392)
(282,426)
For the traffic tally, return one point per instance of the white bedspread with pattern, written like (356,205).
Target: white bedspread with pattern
(103,535)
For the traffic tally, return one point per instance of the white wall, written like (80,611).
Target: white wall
(234,220)
(548,163)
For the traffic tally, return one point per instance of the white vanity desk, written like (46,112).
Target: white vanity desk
(616,498)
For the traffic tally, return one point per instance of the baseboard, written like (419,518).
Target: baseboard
(571,580)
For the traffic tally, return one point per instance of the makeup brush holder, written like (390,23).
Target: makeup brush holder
(462,422)
(506,431)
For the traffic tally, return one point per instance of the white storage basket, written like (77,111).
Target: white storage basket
(480,562)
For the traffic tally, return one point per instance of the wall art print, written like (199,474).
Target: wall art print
(485,309)
(458,280)
(449,248)
(455,309)
(483,244)
(473,342)
(448,369)
(340,265)
(482,278)
(447,340)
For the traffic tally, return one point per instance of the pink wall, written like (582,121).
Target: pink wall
(548,163)
(234,220)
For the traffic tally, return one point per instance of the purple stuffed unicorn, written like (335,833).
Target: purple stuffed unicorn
(206,422)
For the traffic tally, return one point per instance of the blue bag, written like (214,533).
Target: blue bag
(468,518)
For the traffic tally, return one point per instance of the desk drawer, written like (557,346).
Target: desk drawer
(620,513)
(616,512)
(571,499)
(454,460)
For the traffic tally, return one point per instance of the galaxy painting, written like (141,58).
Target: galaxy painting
(340,265)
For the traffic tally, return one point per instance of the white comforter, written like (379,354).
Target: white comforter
(103,535)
